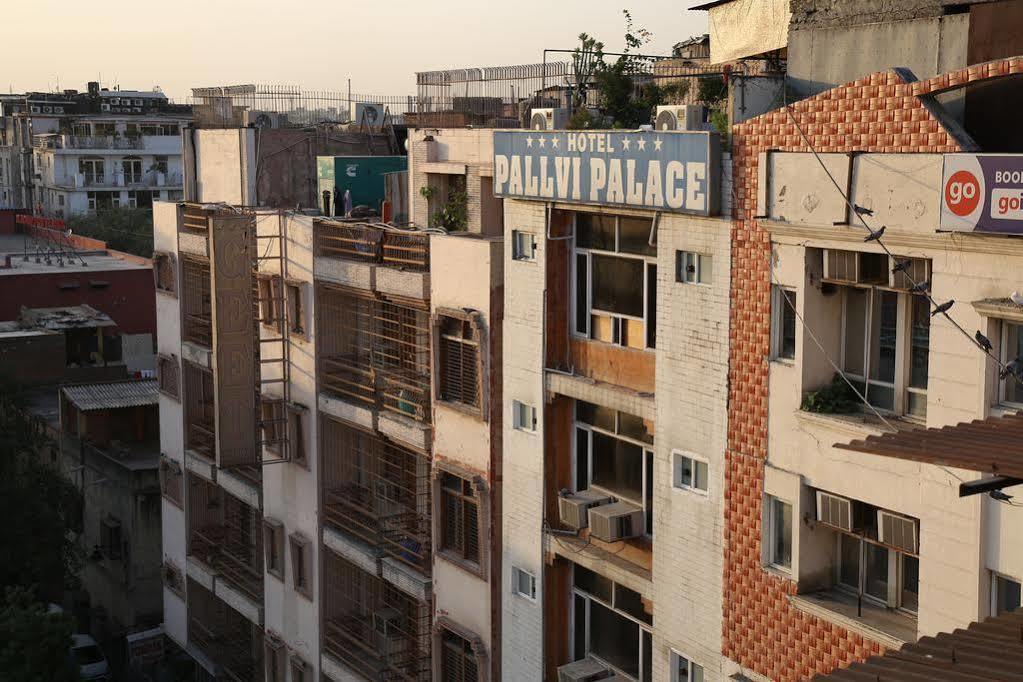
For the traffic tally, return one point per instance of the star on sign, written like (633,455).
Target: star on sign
(641,144)
(657,144)
(625,143)
(542,141)
(529,141)
(554,142)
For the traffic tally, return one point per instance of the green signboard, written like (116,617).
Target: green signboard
(363,176)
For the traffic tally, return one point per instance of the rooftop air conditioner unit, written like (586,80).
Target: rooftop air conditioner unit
(681,117)
(47,110)
(387,630)
(370,113)
(104,107)
(549,119)
(33,109)
(614,522)
(897,531)
(264,119)
(115,100)
(834,510)
(572,508)
(137,110)
(138,102)
(585,670)
(58,110)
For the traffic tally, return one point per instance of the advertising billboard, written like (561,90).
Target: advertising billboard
(982,193)
(660,171)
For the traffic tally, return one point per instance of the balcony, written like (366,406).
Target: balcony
(196,301)
(225,535)
(153,180)
(224,636)
(377,492)
(373,256)
(373,628)
(158,144)
(200,420)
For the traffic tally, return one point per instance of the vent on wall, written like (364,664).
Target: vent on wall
(897,531)
(834,510)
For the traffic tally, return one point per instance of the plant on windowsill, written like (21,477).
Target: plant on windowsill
(453,215)
(835,398)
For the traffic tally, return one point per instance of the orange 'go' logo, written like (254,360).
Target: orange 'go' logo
(962,193)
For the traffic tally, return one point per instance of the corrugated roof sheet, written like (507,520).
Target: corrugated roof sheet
(988,650)
(113,395)
(993,445)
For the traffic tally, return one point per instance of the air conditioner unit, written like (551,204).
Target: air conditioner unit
(138,102)
(549,119)
(137,110)
(834,510)
(387,630)
(115,100)
(33,109)
(585,670)
(840,265)
(572,508)
(614,522)
(47,110)
(264,119)
(104,107)
(897,531)
(58,110)
(370,113)
(681,117)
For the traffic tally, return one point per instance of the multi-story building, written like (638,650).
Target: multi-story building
(63,154)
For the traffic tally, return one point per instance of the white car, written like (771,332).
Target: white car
(90,659)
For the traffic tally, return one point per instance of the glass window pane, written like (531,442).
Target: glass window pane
(681,669)
(582,462)
(787,338)
(874,268)
(919,341)
(1007,597)
(618,467)
(651,305)
(700,471)
(706,269)
(697,673)
(634,236)
(1013,349)
(595,415)
(630,602)
(910,582)
(916,404)
(782,526)
(648,663)
(849,567)
(855,324)
(592,583)
(579,616)
(881,396)
(631,426)
(883,341)
(594,232)
(685,471)
(618,285)
(582,311)
(615,639)
(876,567)
(690,267)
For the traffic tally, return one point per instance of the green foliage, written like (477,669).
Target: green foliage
(719,119)
(711,90)
(835,398)
(34,645)
(123,229)
(454,214)
(582,119)
(427,192)
(585,60)
(41,509)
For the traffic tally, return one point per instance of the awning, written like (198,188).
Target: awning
(112,396)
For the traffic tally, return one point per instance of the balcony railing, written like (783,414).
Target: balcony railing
(378,492)
(224,635)
(200,422)
(377,630)
(406,249)
(196,300)
(158,143)
(402,393)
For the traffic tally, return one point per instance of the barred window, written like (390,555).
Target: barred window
(459,518)
(458,660)
(296,437)
(296,308)
(271,302)
(170,480)
(299,668)
(300,560)
(460,360)
(165,272)
(273,547)
(273,421)
(275,657)
(168,376)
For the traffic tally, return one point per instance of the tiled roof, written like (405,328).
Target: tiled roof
(113,395)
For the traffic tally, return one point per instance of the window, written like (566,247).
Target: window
(613,453)
(270,293)
(92,170)
(690,473)
(459,359)
(160,164)
(110,538)
(173,579)
(458,661)
(693,268)
(459,519)
(523,583)
(779,533)
(300,564)
(170,480)
(1010,388)
(299,668)
(1005,595)
(615,280)
(273,547)
(523,245)
(168,376)
(131,167)
(523,416)
(684,670)
(611,623)
(296,436)
(273,422)
(296,308)
(783,323)
(275,656)
(164,272)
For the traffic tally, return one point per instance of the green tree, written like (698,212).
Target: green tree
(627,105)
(34,645)
(123,229)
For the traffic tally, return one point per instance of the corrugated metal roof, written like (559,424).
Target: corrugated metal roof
(993,445)
(113,395)
(988,650)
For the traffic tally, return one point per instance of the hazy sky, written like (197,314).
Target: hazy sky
(317,45)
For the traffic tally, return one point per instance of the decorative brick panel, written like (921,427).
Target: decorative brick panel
(879,113)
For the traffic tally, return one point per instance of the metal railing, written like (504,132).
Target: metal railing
(224,635)
(196,301)
(367,242)
(355,378)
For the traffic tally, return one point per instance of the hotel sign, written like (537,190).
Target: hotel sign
(660,171)
(982,193)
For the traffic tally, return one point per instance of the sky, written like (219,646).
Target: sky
(316,45)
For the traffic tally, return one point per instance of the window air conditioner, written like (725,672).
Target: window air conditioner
(897,531)
(47,110)
(369,113)
(614,522)
(386,628)
(33,109)
(115,100)
(681,117)
(573,507)
(840,266)
(549,119)
(137,110)
(834,510)
(104,107)
(138,102)
(263,119)
(58,110)
(585,670)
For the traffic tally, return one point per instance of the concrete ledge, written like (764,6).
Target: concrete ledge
(347,273)
(336,670)
(403,283)
(346,411)
(405,578)
(200,466)
(361,555)
(240,488)
(193,243)
(239,601)
(445,167)
(406,430)
(840,610)
(196,354)
(588,555)
(200,573)
(608,395)
(199,657)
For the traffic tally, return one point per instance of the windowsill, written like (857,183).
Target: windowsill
(888,627)
(586,339)
(784,362)
(167,292)
(778,572)
(468,410)
(856,424)
(470,567)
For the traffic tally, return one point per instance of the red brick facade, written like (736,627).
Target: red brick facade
(878,113)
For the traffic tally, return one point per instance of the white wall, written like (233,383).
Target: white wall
(224,162)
